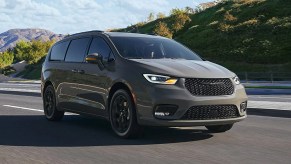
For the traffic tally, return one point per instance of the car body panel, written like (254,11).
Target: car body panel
(88,92)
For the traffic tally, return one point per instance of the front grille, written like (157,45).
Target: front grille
(211,112)
(209,87)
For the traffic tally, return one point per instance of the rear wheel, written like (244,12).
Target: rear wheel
(123,115)
(219,128)
(49,105)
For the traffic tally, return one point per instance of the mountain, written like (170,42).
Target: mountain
(9,38)
(243,35)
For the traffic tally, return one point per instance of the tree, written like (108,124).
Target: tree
(151,17)
(163,30)
(6,59)
(32,51)
(161,15)
(38,50)
(21,50)
(177,11)
(180,19)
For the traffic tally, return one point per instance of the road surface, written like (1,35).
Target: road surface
(27,137)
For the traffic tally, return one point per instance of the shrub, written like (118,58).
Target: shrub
(251,22)
(225,27)
(163,30)
(179,21)
(161,15)
(6,59)
(229,17)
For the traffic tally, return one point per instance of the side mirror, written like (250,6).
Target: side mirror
(95,58)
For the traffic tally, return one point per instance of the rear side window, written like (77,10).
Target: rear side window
(99,46)
(59,51)
(77,50)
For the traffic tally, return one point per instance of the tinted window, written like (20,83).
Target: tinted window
(77,50)
(59,51)
(101,47)
(152,48)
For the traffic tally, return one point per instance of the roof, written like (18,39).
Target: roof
(127,34)
(110,34)
(85,33)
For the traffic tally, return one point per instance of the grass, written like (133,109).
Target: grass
(244,36)
(31,72)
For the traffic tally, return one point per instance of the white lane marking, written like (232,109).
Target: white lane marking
(12,84)
(269,105)
(19,107)
(32,109)
(20,90)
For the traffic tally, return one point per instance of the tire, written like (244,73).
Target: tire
(219,128)
(123,115)
(49,105)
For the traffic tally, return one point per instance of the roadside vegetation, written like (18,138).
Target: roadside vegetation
(32,52)
(242,35)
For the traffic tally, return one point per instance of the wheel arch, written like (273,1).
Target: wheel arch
(117,86)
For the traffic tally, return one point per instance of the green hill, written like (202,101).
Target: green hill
(243,35)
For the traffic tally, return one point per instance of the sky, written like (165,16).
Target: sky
(71,16)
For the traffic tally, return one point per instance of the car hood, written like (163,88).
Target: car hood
(184,68)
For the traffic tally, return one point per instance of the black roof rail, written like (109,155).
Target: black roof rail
(86,32)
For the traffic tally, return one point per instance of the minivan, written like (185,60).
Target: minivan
(135,80)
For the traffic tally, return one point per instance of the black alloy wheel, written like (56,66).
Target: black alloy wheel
(123,115)
(49,105)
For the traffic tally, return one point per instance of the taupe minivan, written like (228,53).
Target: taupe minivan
(136,80)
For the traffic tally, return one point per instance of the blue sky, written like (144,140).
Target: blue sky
(71,16)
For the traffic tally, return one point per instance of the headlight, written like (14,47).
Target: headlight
(160,79)
(236,80)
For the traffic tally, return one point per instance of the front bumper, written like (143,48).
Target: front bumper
(150,96)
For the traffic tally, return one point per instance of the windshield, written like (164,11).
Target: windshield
(152,48)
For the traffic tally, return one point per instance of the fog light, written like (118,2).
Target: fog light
(243,107)
(163,111)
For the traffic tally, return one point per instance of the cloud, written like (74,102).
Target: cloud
(142,5)
(70,16)
(4,17)
(2,3)
(81,4)
(15,7)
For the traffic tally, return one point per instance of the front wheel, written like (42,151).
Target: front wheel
(123,115)
(219,128)
(49,105)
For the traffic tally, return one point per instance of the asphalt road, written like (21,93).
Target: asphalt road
(27,137)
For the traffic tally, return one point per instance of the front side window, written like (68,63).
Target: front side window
(77,50)
(152,48)
(99,46)
(59,51)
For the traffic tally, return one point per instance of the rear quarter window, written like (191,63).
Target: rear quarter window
(59,51)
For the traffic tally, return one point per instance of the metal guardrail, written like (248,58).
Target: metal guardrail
(265,76)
